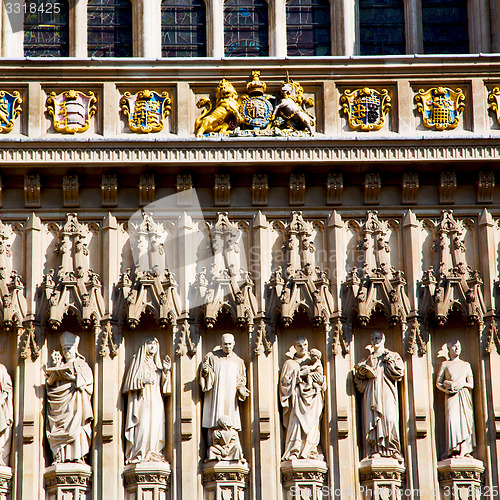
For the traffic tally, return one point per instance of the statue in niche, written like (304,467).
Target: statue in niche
(455,379)
(225,442)
(376,378)
(223,380)
(147,381)
(6,415)
(70,385)
(301,389)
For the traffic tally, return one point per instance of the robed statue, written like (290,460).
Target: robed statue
(301,390)
(455,379)
(376,378)
(223,381)
(147,381)
(69,384)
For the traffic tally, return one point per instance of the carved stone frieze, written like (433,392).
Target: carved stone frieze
(222,190)
(461,477)
(376,285)
(184,186)
(302,284)
(225,480)
(410,186)
(447,187)
(381,478)
(334,188)
(149,286)
(32,189)
(70,191)
(147,189)
(260,189)
(485,186)
(75,287)
(297,187)
(71,481)
(303,478)
(372,188)
(109,190)
(227,285)
(450,283)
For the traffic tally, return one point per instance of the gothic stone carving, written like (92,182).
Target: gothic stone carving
(485,186)
(73,480)
(32,191)
(460,478)
(260,189)
(373,186)
(440,107)
(71,110)
(147,188)
(297,187)
(302,284)
(410,185)
(222,190)
(150,286)
(147,480)
(334,188)
(380,286)
(70,191)
(74,287)
(109,190)
(447,187)
(451,283)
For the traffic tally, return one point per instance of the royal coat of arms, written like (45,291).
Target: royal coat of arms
(10,109)
(366,108)
(146,110)
(256,107)
(441,107)
(71,110)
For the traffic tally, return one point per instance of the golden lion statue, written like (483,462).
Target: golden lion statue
(227,107)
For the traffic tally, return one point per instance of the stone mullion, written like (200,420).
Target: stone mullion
(422,455)
(215,28)
(78,25)
(12,32)
(343,469)
(265,381)
(148,29)
(490,364)
(277,28)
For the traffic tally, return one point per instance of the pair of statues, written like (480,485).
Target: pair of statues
(222,377)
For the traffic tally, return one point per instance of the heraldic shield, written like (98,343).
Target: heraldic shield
(366,108)
(10,109)
(146,110)
(441,107)
(71,110)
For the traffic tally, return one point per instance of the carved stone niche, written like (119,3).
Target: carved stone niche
(450,283)
(377,285)
(381,478)
(74,287)
(460,478)
(225,480)
(227,285)
(150,286)
(302,284)
(147,481)
(303,478)
(68,481)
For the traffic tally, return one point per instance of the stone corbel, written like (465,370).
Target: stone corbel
(70,191)
(373,187)
(447,187)
(485,186)
(222,190)
(334,188)
(410,185)
(109,190)
(297,187)
(147,188)
(260,189)
(32,188)
(184,186)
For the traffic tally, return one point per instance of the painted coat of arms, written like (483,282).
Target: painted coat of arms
(10,109)
(366,108)
(146,110)
(441,107)
(71,110)
(494,100)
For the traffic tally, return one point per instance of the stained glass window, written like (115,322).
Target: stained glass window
(109,28)
(245,28)
(183,28)
(445,27)
(308,28)
(381,27)
(46,32)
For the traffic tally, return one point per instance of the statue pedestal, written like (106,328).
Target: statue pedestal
(147,480)
(381,478)
(460,478)
(68,481)
(225,480)
(303,478)
(5,481)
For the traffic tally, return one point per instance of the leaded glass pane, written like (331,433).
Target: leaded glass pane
(245,28)
(308,28)
(109,28)
(183,28)
(46,29)
(381,27)
(445,27)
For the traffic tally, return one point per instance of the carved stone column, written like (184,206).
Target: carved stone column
(460,478)
(68,481)
(147,481)
(381,478)
(5,481)
(303,478)
(225,480)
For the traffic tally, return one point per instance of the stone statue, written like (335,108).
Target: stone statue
(223,380)
(301,388)
(147,381)
(225,442)
(376,378)
(6,415)
(455,379)
(69,403)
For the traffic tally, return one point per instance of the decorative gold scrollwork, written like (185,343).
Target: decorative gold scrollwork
(71,110)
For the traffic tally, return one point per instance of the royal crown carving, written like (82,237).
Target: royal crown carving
(72,286)
(451,283)
(149,286)
(302,284)
(376,285)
